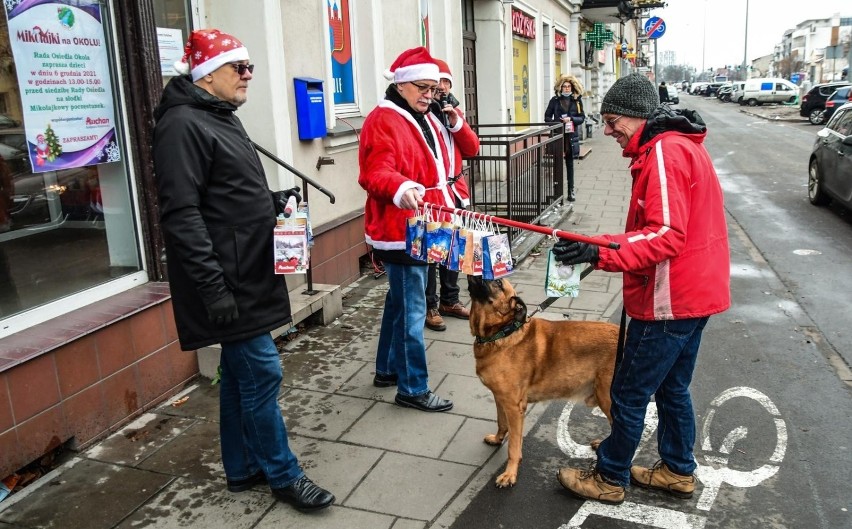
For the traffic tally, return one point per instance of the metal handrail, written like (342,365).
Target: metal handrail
(306,180)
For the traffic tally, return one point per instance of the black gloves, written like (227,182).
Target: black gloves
(280,198)
(223,311)
(573,252)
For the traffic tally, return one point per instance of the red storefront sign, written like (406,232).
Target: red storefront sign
(560,41)
(522,24)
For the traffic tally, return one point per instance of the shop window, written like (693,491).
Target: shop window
(173,21)
(67,225)
(342,58)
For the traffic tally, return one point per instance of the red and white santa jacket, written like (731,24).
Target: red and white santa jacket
(463,143)
(674,254)
(393,158)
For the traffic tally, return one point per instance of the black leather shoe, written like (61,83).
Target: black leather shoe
(426,402)
(305,495)
(384,381)
(240,485)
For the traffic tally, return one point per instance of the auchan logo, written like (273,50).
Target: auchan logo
(96,121)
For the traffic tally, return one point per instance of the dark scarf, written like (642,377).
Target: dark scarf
(393,95)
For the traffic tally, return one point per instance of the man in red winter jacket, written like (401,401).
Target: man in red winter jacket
(403,164)
(676,265)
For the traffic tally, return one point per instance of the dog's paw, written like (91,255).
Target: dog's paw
(506,479)
(493,440)
(595,444)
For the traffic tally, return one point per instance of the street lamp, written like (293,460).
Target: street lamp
(745,47)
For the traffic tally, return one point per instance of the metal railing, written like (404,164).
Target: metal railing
(306,182)
(519,173)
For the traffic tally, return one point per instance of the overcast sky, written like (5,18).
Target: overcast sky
(717,27)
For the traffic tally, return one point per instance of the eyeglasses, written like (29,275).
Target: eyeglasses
(422,88)
(242,68)
(611,122)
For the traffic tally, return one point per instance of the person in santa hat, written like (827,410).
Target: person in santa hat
(217,214)
(460,141)
(403,162)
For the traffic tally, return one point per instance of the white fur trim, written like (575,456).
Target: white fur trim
(214,63)
(459,123)
(181,67)
(405,186)
(448,77)
(387,74)
(417,72)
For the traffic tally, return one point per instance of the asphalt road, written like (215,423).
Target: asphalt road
(774,429)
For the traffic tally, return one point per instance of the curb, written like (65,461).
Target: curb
(798,119)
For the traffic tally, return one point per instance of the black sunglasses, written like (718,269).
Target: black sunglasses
(241,68)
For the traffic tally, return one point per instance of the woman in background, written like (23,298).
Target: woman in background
(567,107)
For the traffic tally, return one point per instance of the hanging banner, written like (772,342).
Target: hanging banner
(63,74)
(341,51)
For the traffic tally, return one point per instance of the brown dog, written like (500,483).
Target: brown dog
(525,360)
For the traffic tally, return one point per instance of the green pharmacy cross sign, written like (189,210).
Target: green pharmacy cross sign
(599,35)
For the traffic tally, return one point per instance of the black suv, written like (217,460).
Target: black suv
(813,103)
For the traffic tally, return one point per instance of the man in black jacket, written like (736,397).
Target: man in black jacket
(217,214)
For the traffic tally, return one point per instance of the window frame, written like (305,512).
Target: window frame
(63,305)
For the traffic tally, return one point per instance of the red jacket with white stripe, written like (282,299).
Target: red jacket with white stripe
(674,253)
(463,143)
(394,157)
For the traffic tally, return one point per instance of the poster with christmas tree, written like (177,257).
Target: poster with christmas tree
(48,147)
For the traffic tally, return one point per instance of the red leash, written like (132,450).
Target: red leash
(529,227)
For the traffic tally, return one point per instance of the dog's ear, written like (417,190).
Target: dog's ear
(520,309)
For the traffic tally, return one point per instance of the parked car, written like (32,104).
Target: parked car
(837,98)
(724,92)
(769,90)
(673,97)
(737,91)
(830,166)
(813,103)
(711,89)
(696,87)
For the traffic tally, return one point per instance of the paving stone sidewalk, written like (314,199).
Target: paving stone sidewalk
(388,466)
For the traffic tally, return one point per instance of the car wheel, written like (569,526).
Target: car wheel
(752,102)
(815,193)
(817,116)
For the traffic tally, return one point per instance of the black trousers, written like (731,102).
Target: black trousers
(569,170)
(449,287)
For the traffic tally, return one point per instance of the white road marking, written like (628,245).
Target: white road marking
(637,513)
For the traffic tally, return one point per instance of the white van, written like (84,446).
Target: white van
(768,90)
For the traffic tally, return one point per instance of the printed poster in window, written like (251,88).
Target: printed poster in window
(63,74)
(341,51)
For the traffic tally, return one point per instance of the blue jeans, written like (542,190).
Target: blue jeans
(659,358)
(401,349)
(251,428)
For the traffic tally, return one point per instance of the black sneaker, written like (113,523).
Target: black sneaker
(384,381)
(425,402)
(304,495)
(240,485)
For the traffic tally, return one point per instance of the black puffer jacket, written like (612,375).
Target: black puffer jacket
(217,215)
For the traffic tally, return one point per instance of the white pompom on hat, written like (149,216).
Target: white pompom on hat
(413,65)
(207,50)
(444,70)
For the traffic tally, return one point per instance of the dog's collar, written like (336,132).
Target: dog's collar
(502,333)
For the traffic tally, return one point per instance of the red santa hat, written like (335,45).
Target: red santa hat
(444,70)
(207,50)
(413,65)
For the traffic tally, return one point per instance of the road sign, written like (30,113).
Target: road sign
(655,28)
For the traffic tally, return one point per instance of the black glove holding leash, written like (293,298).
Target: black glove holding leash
(280,198)
(223,311)
(573,252)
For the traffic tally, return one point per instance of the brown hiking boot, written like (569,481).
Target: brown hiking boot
(589,485)
(434,320)
(456,310)
(659,477)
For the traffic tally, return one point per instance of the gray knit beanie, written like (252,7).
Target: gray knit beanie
(632,95)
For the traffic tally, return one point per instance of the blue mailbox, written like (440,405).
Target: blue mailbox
(310,108)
